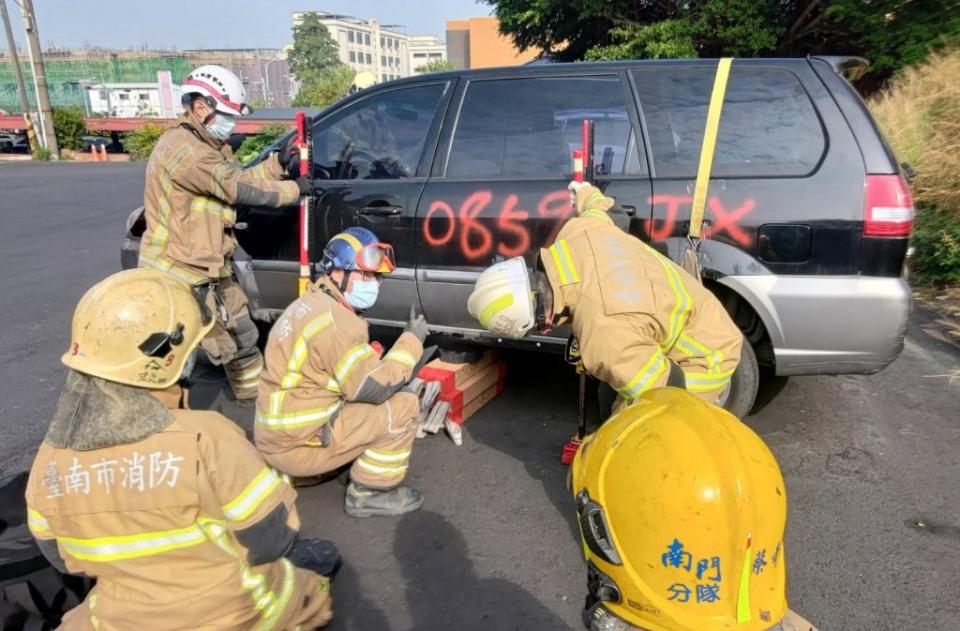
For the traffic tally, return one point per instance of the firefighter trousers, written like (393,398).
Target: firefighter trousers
(377,439)
(233,340)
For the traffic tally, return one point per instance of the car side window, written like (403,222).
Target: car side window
(768,126)
(528,127)
(380,137)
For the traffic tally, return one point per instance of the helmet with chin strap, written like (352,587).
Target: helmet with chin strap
(221,88)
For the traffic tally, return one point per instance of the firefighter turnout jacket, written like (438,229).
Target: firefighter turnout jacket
(633,310)
(321,370)
(191,188)
(183,529)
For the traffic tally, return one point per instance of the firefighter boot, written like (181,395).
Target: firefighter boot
(362,501)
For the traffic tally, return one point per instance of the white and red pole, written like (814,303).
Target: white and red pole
(304,146)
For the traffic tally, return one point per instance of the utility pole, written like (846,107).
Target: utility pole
(39,77)
(21,86)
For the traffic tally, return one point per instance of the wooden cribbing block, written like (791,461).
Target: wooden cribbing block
(453,376)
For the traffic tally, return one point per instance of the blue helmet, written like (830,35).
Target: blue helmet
(357,249)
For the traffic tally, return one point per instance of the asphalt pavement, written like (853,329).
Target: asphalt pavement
(871,462)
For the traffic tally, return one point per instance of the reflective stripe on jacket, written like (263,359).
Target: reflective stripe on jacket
(185,529)
(318,358)
(191,187)
(632,308)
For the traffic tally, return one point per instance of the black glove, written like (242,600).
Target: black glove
(287,152)
(305,184)
(417,324)
(317,555)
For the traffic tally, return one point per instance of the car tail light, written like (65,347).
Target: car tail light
(887,207)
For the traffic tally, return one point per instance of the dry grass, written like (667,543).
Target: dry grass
(920,116)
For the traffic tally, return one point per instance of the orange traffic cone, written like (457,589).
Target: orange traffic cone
(94,156)
(103,153)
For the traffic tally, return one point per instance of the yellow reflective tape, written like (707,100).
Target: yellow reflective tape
(400,455)
(743,595)
(104,549)
(299,354)
(169,268)
(707,381)
(492,309)
(275,613)
(564,262)
(709,144)
(333,386)
(651,370)
(390,471)
(244,504)
(682,303)
(401,356)
(297,419)
(36,521)
(349,361)
(575,277)
(693,348)
(597,214)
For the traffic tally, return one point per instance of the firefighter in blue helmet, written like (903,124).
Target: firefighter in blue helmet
(327,398)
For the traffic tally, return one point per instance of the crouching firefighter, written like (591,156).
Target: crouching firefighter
(192,185)
(641,321)
(682,510)
(327,398)
(173,512)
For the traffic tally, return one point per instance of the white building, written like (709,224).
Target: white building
(126,100)
(425,49)
(367,46)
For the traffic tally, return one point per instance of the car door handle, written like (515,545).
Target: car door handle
(630,210)
(240,225)
(386,210)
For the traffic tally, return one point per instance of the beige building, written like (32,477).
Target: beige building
(367,45)
(477,43)
(425,49)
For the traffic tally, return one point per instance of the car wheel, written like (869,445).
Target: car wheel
(742,391)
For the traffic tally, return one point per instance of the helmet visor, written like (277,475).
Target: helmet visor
(376,257)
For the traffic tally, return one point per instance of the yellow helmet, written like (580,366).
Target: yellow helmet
(137,327)
(682,510)
(503,300)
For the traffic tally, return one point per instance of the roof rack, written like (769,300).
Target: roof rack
(850,67)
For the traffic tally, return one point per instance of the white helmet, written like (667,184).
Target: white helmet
(503,300)
(224,89)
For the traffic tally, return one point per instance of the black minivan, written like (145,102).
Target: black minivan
(808,217)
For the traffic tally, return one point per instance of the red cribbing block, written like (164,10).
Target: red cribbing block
(453,376)
(570,450)
(474,406)
(474,387)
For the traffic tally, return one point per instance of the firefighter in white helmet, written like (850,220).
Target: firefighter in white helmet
(172,511)
(641,321)
(682,511)
(192,187)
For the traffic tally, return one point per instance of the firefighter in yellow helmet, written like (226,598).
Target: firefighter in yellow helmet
(682,511)
(640,319)
(172,511)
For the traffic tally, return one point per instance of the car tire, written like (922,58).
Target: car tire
(744,383)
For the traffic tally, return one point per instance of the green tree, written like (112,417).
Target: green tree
(332,86)
(437,65)
(890,33)
(314,52)
(253,145)
(69,127)
(140,142)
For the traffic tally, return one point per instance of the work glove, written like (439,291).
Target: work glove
(417,325)
(305,184)
(317,555)
(574,187)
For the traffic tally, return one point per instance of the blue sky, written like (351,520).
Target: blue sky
(217,23)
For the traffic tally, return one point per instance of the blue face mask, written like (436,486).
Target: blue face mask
(221,126)
(364,294)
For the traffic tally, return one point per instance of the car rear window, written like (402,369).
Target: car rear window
(529,127)
(768,126)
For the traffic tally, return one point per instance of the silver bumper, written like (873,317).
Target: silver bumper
(829,324)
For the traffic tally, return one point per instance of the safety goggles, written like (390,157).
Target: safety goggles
(376,257)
